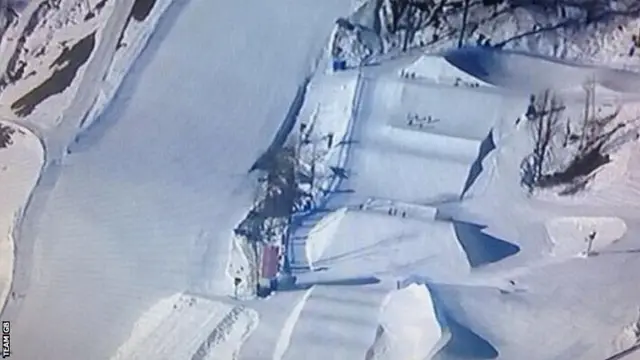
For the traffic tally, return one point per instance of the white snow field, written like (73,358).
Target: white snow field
(20,165)
(144,204)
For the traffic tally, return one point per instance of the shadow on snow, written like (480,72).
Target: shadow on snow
(481,248)
(465,344)
(486,146)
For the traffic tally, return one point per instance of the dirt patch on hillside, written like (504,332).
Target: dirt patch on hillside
(70,60)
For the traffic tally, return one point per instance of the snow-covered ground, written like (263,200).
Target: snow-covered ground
(20,163)
(133,41)
(188,327)
(133,219)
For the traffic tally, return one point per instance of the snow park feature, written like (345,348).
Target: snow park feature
(418,334)
(209,326)
(574,236)
(441,180)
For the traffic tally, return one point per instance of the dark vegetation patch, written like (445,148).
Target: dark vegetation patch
(139,12)
(16,67)
(6,136)
(96,10)
(141,9)
(71,60)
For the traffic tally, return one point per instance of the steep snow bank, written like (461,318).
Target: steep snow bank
(409,327)
(134,39)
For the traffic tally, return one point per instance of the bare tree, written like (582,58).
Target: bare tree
(598,134)
(463,27)
(546,124)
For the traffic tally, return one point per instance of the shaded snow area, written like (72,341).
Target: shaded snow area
(402,334)
(188,327)
(21,159)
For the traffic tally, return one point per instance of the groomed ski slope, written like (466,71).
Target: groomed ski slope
(145,202)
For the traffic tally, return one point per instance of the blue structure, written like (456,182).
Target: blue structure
(339,64)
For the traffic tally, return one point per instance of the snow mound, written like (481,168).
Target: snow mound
(436,68)
(376,243)
(522,71)
(409,327)
(569,235)
(188,327)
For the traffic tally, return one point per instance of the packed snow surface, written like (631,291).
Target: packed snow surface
(131,220)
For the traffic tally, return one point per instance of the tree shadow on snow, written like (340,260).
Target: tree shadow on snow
(486,146)
(481,248)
